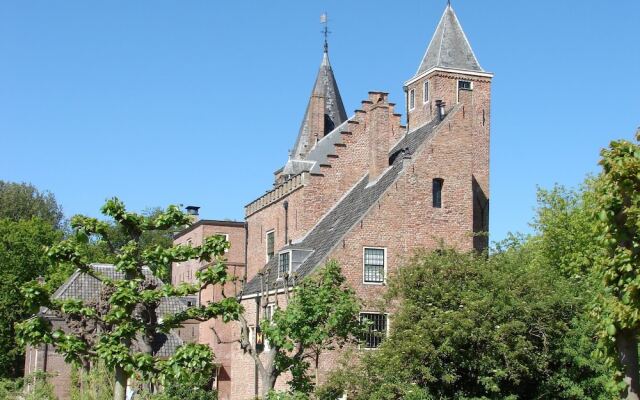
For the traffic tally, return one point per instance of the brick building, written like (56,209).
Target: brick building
(366,191)
(362,189)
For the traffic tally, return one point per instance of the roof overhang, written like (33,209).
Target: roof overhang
(481,74)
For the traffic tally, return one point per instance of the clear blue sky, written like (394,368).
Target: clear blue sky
(197,102)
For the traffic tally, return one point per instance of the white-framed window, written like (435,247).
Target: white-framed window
(412,99)
(252,336)
(284,264)
(465,85)
(374,265)
(226,238)
(270,242)
(425,92)
(377,329)
(268,315)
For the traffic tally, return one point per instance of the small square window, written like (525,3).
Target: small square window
(465,85)
(284,264)
(376,329)
(412,99)
(374,265)
(226,238)
(425,93)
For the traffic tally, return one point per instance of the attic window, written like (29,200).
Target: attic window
(284,264)
(412,99)
(465,85)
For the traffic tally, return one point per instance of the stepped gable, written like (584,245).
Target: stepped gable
(85,287)
(338,221)
(449,48)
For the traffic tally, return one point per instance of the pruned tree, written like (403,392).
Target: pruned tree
(319,313)
(618,212)
(117,330)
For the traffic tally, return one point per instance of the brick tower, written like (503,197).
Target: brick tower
(450,76)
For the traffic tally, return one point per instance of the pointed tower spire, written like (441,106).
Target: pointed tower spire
(325,110)
(449,47)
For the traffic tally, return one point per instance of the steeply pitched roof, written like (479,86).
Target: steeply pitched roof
(449,47)
(85,287)
(334,113)
(328,233)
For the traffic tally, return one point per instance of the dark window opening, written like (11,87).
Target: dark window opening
(376,329)
(437,192)
(465,85)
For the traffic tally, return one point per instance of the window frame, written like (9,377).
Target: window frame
(384,265)
(266,244)
(288,272)
(426,92)
(226,238)
(386,330)
(433,192)
(412,99)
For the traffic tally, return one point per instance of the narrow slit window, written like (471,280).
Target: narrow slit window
(437,192)
(412,99)
(270,244)
(425,93)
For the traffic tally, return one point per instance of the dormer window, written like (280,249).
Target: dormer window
(425,92)
(284,264)
(465,85)
(412,99)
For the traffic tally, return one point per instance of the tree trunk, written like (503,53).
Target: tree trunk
(627,344)
(268,383)
(120,388)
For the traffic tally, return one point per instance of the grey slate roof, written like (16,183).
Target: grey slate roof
(328,233)
(449,47)
(326,86)
(85,287)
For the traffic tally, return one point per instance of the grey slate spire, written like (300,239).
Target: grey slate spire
(325,87)
(449,47)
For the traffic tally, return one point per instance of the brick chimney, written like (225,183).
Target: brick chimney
(379,133)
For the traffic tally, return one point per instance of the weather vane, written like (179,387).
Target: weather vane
(324,20)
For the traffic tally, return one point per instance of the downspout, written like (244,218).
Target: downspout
(285,204)
(406,105)
(255,365)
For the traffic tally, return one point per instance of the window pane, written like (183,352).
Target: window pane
(376,330)
(374,265)
(283,264)
(437,192)
(412,98)
(270,245)
(426,92)
(464,85)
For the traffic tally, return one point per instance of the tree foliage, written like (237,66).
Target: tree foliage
(476,327)
(22,259)
(321,313)
(617,210)
(128,321)
(20,201)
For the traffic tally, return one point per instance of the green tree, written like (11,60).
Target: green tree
(322,313)
(127,319)
(22,259)
(617,208)
(20,201)
(475,327)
